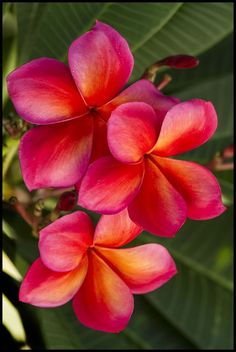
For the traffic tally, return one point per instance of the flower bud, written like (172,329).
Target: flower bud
(67,201)
(179,61)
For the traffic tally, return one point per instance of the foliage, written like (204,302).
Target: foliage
(193,310)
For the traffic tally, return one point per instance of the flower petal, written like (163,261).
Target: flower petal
(186,126)
(141,91)
(56,155)
(197,185)
(63,243)
(132,131)
(115,230)
(101,63)
(109,186)
(104,302)
(158,207)
(43,92)
(143,268)
(100,146)
(43,287)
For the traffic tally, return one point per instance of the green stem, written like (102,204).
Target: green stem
(9,157)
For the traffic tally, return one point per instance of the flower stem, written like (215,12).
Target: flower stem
(9,157)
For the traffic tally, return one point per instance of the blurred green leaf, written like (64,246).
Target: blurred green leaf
(29,318)
(9,55)
(8,342)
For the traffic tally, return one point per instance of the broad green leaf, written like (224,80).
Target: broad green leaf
(199,300)
(146,330)
(153,30)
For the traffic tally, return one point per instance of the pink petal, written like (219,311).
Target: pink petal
(115,230)
(141,91)
(63,243)
(43,92)
(158,207)
(132,131)
(43,287)
(197,185)
(186,126)
(104,302)
(101,63)
(100,146)
(56,155)
(109,186)
(143,268)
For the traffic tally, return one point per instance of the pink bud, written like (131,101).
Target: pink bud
(179,61)
(67,201)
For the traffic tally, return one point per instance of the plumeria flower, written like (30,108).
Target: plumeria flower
(87,266)
(72,104)
(160,192)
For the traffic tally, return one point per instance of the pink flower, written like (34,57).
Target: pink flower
(160,192)
(86,265)
(72,105)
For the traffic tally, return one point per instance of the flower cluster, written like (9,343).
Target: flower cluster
(116,147)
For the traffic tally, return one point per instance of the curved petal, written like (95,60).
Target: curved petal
(101,63)
(109,186)
(132,131)
(100,145)
(141,91)
(104,302)
(115,230)
(43,287)
(56,155)
(197,185)
(63,243)
(158,207)
(186,126)
(143,268)
(43,92)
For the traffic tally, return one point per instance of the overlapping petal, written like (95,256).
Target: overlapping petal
(101,63)
(43,92)
(43,287)
(143,268)
(115,230)
(186,126)
(141,91)
(56,155)
(132,131)
(158,207)
(100,145)
(104,301)
(196,184)
(109,186)
(63,243)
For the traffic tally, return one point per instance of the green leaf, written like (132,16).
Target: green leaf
(153,30)
(29,318)
(199,300)
(9,57)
